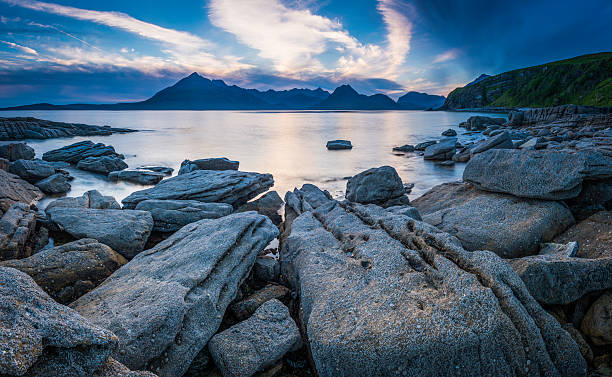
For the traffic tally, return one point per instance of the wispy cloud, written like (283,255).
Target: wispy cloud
(21,48)
(451,54)
(399,31)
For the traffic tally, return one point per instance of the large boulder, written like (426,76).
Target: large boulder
(479,122)
(257,343)
(172,215)
(76,152)
(221,163)
(268,205)
(597,323)
(32,170)
(57,183)
(69,271)
(381,186)
(500,141)
(593,235)
(102,164)
(40,337)
(14,189)
(210,186)
(173,296)
(509,226)
(546,174)
(17,226)
(125,231)
(383,294)
(91,199)
(141,177)
(442,150)
(16,151)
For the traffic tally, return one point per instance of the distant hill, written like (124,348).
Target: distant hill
(478,79)
(346,98)
(583,80)
(420,101)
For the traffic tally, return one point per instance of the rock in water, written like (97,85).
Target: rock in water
(443,150)
(268,205)
(257,343)
(16,151)
(32,128)
(76,152)
(449,132)
(17,225)
(404,148)
(69,271)
(229,186)
(40,337)
(142,177)
(597,323)
(382,186)
(13,189)
(333,145)
(222,163)
(90,199)
(386,295)
(32,170)
(102,165)
(172,215)
(54,184)
(173,296)
(509,226)
(125,231)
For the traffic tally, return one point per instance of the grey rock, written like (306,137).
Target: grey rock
(595,196)
(443,150)
(172,215)
(500,141)
(91,199)
(13,189)
(173,296)
(268,205)
(478,122)
(406,211)
(102,164)
(17,225)
(266,268)
(245,308)
(4,164)
(257,343)
(16,151)
(32,128)
(449,132)
(40,337)
(376,186)
(597,323)
(229,186)
(157,169)
(221,163)
(76,152)
(69,271)
(142,177)
(509,226)
(447,163)
(404,148)
(54,184)
(422,146)
(302,200)
(113,368)
(32,170)
(338,144)
(125,231)
(568,250)
(593,235)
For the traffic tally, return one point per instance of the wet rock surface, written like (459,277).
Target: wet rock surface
(333,145)
(76,152)
(16,151)
(443,150)
(32,170)
(57,183)
(172,215)
(222,163)
(102,164)
(32,128)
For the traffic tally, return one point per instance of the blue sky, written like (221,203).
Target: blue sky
(110,51)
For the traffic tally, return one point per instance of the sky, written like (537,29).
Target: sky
(69,51)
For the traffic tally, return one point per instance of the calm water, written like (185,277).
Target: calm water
(290,145)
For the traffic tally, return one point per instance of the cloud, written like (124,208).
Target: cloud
(399,31)
(21,48)
(447,55)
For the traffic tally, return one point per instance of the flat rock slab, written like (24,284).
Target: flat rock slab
(57,183)
(32,128)
(76,152)
(14,189)
(442,150)
(102,164)
(91,199)
(173,296)
(32,170)
(594,236)
(172,215)
(125,231)
(40,337)
(333,145)
(17,225)
(257,343)
(383,294)
(141,177)
(500,141)
(376,186)
(221,163)
(69,271)
(509,226)
(229,186)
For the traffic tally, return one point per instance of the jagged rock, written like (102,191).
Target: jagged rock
(245,308)
(16,151)
(595,196)
(550,175)
(300,201)
(142,177)
(382,186)
(443,150)
(172,215)
(76,152)
(597,323)
(266,268)
(268,205)
(509,226)
(406,211)
(32,170)
(17,225)
(383,294)
(422,146)
(173,296)
(113,368)
(4,164)
(593,235)
(40,337)
(69,271)
(32,128)
(229,186)
(449,132)
(90,199)
(501,141)
(257,343)
(404,148)
(13,189)
(103,164)
(54,184)
(222,163)
(157,169)
(125,231)
(333,145)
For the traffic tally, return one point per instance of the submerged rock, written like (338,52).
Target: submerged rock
(222,163)
(172,215)
(13,189)
(142,177)
(102,164)
(17,225)
(338,144)
(57,183)
(268,205)
(16,151)
(90,199)
(404,148)
(443,150)
(76,152)
(382,186)
(173,296)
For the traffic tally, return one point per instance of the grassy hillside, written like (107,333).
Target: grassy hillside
(583,80)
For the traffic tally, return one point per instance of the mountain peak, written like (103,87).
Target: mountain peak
(344,90)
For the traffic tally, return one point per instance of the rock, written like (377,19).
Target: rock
(300,201)
(17,225)
(447,163)
(125,231)
(223,163)
(266,269)
(559,279)
(76,152)
(32,128)
(245,308)
(333,145)
(424,145)
(172,215)
(510,227)
(4,164)
(32,170)
(91,199)
(102,165)
(449,132)
(173,296)
(231,187)
(40,337)
(257,343)
(157,169)
(17,151)
(404,148)
(593,235)
(69,271)
(13,189)
(568,250)
(478,123)
(405,211)
(595,196)
(113,368)
(463,156)
(142,177)
(597,323)
(549,175)
(268,205)
(382,294)
(376,186)
(54,184)
(501,141)
(443,150)
(585,349)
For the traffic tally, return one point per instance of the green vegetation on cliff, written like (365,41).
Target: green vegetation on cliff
(583,80)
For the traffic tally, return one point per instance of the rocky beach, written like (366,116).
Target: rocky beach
(210,272)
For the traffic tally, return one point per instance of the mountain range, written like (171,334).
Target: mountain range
(195,92)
